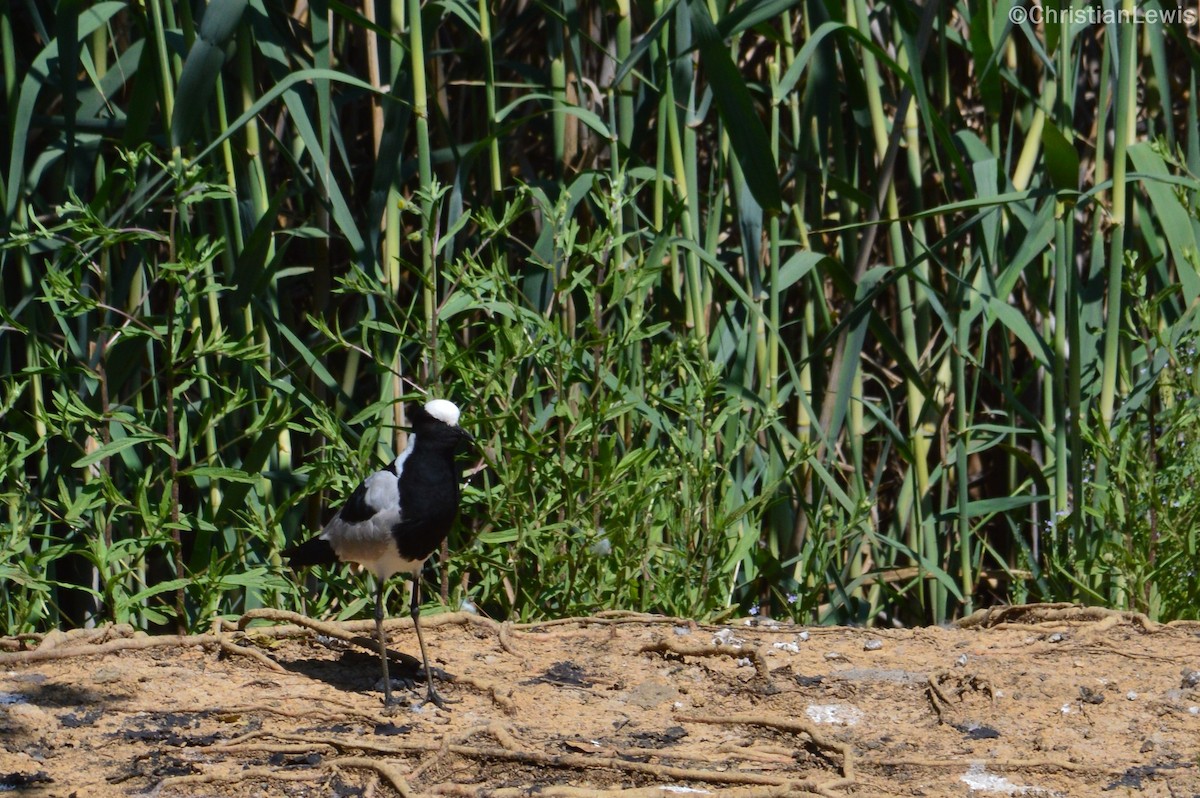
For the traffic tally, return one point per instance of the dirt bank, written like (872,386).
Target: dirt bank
(1027,701)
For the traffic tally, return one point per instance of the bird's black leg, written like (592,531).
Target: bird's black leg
(415,611)
(387,679)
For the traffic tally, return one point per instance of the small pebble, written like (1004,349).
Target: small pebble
(726,637)
(107,675)
(1131,696)
(873,645)
(1191,678)
(803,637)
(961,661)
(1057,637)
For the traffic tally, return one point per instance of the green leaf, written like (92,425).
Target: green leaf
(158,589)
(748,14)
(1061,160)
(797,267)
(114,447)
(1171,217)
(984,58)
(35,80)
(1016,323)
(1002,504)
(589,118)
(498,537)
(311,360)
(220,472)
(203,66)
(747,135)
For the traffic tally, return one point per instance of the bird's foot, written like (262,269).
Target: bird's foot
(400,695)
(432,696)
(398,701)
(438,700)
(394,705)
(394,691)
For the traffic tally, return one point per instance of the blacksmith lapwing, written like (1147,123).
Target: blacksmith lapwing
(397,517)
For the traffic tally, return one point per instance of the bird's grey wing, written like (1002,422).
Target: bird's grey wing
(357,508)
(364,523)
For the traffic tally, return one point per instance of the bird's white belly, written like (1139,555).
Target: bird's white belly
(371,544)
(392,563)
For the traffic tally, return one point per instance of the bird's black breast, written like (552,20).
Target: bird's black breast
(429,496)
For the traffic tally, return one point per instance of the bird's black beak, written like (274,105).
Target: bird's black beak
(466,446)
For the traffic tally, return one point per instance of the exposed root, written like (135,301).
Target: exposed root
(729,749)
(112,639)
(309,714)
(21,641)
(357,745)
(565,791)
(963,683)
(1033,765)
(393,776)
(1060,613)
(795,726)
(295,623)
(755,654)
(229,647)
(607,618)
(291,749)
(61,651)
(385,770)
(501,695)
(506,642)
(937,699)
(249,774)
(512,750)
(496,729)
(346,631)
(586,762)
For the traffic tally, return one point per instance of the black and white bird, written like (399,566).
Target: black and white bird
(397,517)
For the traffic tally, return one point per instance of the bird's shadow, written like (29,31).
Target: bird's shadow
(358,669)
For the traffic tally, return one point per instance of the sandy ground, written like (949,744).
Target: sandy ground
(1039,701)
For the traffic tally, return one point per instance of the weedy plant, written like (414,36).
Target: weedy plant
(605,485)
(1149,500)
(859,312)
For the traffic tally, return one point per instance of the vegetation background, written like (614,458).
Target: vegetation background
(871,312)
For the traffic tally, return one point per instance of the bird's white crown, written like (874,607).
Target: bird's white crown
(443,410)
